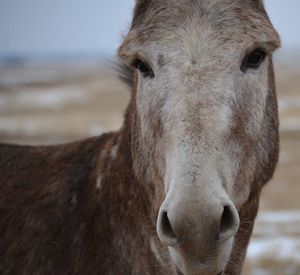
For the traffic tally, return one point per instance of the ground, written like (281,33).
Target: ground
(56,103)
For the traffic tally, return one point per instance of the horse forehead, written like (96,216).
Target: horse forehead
(177,11)
(193,21)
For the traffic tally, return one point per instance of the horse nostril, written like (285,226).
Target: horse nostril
(229,223)
(226,220)
(166,226)
(166,231)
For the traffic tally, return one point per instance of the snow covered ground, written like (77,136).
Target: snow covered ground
(276,239)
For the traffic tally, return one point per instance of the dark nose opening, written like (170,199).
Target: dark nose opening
(166,226)
(227,220)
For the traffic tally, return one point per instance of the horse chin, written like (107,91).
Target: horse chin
(212,265)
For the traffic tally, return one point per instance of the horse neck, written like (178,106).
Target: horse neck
(128,199)
(124,206)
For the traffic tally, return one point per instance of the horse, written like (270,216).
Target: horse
(176,190)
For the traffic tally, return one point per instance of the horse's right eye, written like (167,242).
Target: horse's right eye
(253,60)
(144,68)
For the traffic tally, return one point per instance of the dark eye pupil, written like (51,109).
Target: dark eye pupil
(256,58)
(253,60)
(144,68)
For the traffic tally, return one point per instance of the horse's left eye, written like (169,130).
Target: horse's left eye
(253,60)
(144,68)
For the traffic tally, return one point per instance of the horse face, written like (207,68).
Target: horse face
(205,125)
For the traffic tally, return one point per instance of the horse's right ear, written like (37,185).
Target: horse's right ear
(140,10)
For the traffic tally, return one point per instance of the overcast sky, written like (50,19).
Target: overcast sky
(51,27)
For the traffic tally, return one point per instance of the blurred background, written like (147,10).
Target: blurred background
(57,85)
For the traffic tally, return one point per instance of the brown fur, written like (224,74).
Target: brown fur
(54,219)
